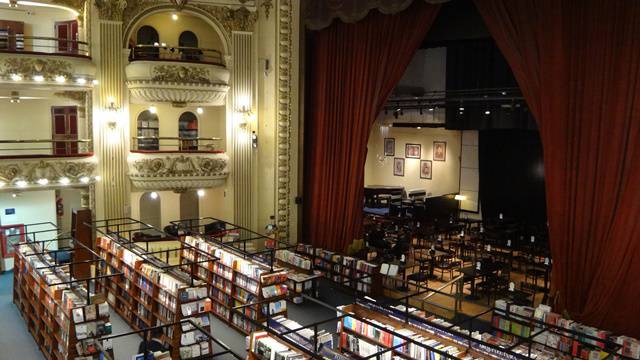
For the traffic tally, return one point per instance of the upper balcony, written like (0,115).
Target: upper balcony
(177,163)
(178,75)
(43,44)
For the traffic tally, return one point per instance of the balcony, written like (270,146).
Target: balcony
(175,163)
(35,60)
(177,75)
(28,164)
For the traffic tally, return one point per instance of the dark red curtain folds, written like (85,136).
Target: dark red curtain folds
(578,65)
(353,68)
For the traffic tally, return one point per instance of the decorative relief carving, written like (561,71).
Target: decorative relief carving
(28,67)
(180,73)
(284,116)
(50,170)
(178,172)
(77,96)
(111,9)
(267,5)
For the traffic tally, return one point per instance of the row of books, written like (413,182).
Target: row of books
(266,347)
(304,337)
(294,259)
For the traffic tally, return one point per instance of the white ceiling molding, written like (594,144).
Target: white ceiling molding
(320,14)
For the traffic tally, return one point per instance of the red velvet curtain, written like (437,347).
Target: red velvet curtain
(353,68)
(578,65)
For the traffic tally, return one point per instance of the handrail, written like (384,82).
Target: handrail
(174,143)
(449,283)
(27,141)
(44,38)
(176,53)
(175,138)
(44,44)
(52,147)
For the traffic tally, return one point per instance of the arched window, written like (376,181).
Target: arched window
(189,205)
(148,128)
(188,43)
(150,213)
(188,129)
(148,36)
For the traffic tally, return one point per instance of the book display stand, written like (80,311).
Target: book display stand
(153,292)
(62,313)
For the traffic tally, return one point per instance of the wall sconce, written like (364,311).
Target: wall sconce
(112,114)
(254,140)
(244,115)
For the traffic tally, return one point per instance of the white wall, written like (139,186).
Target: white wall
(445,175)
(30,207)
(38,21)
(71,199)
(31,119)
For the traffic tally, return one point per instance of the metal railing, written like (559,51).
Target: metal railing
(174,144)
(42,44)
(45,147)
(176,53)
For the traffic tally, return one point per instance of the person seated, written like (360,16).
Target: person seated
(154,344)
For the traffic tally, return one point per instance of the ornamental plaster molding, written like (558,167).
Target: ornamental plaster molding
(178,172)
(53,170)
(112,10)
(29,66)
(154,91)
(285,12)
(180,73)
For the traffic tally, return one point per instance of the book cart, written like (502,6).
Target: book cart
(152,292)
(62,313)
(240,277)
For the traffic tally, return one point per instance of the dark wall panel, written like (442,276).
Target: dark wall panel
(512,175)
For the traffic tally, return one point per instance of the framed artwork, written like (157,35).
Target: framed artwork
(439,151)
(10,235)
(398,166)
(389,147)
(412,151)
(425,169)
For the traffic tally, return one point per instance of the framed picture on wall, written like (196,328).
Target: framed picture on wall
(398,166)
(412,151)
(425,169)
(439,151)
(389,147)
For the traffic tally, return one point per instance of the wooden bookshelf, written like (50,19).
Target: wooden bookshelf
(236,281)
(143,298)
(261,343)
(57,316)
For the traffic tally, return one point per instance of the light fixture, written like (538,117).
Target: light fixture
(64,181)
(153,195)
(112,113)
(97,178)
(164,44)
(199,110)
(13,3)
(460,197)
(81,81)
(153,109)
(14,195)
(461,108)
(38,78)
(504,93)
(487,112)
(430,109)
(43,181)
(200,192)
(60,79)
(419,127)
(16,77)
(174,17)
(156,44)
(2,184)
(95,82)
(84,179)
(21,183)
(254,139)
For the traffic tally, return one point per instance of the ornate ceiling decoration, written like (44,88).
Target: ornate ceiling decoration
(178,172)
(29,66)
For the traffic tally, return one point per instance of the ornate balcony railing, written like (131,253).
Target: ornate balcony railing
(176,53)
(43,45)
(44,148)
(155,144)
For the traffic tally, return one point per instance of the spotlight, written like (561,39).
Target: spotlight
(419,127)
(97,178)
(16,77)
(487,112)
(174,17)
(14,195)
(81,81)
(153,195)
(60,79)
(43,181)
(84,179)
(430,109)
(200,192)
(2,184)
(156,44)
(199,110)
(38,78)
(21,183)
(461,108)
(95,82)
(64,181)
(504,93)
(153,109)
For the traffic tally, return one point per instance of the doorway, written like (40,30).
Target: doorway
(67,33)
(64,130)
(146,40)
(188,43)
